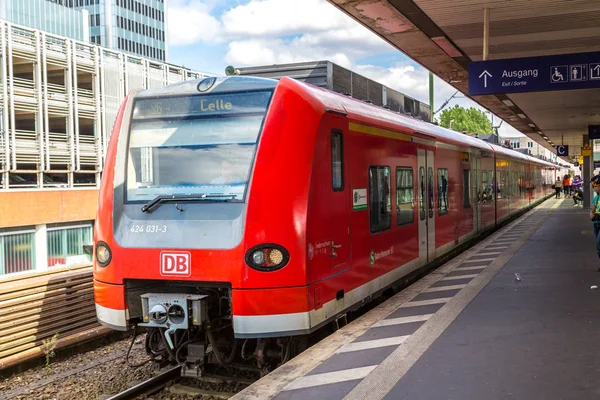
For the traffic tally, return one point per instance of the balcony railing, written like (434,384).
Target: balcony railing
(26,147)
(59,149)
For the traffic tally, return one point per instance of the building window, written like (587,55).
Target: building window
(515,143)
(65,245)
(379,199)
(442,191)
(405,213)
(529,144)
(17,252)
(337,161)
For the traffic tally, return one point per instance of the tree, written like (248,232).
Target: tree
(470,120)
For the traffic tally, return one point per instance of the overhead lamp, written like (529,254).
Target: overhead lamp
(445,45)
(508,103)
(532,125)
(522,116)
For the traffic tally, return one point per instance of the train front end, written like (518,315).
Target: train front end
(169,235)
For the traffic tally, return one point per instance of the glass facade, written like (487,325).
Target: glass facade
(28,250)
(48,16)
(17,251)
(65,245)
(132,26)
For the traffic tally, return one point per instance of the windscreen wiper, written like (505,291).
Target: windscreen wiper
(188,197)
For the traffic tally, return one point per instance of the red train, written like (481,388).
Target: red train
(239,214)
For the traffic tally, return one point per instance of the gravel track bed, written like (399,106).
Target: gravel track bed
(108,374)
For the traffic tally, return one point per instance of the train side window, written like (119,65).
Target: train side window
(405,213)
(430,189)
(379,199)
(422,193)
(337,161)
(491,189)
(442,191)
(466,188)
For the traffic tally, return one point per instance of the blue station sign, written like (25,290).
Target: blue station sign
(535,74)
(562,151)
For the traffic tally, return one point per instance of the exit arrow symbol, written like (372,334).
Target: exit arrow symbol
(597,69)
(485,75)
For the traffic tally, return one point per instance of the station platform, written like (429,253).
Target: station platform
(514,317)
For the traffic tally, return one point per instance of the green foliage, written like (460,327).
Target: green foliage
(48,347)
(470,120)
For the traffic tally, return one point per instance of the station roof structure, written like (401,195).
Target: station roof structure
(446,36)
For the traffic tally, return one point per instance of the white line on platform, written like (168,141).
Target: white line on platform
(479,259)
(444,288)
(402,320)
(330,377)
(455,277)
(557,204)
(469,268)
(418,303)
(491,253)
(373,344)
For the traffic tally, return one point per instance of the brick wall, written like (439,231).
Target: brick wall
(47,207)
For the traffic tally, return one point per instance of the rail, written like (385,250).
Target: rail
(149,386)
(41,305)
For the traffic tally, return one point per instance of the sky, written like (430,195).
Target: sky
(208,35)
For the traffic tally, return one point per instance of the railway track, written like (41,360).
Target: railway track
(170,384)
(149,386)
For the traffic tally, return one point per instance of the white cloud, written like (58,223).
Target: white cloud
(270,18)
(191,22)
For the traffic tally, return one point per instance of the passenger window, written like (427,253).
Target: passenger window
(421,193)
(379,199)
(491,187)
(430,190)
(337,161)
(442,191)
(466,188)
(405,213)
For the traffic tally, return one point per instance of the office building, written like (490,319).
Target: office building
(132,26)
(49,16)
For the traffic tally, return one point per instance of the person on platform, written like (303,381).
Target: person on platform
(595,212)
(558,187)
(566,185)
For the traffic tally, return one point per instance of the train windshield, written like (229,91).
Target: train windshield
(194,145)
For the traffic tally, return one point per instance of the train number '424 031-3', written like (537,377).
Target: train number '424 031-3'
(148,229)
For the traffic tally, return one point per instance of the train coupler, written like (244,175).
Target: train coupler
(192,367)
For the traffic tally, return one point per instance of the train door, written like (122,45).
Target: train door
(426,182)
(477,192)
(339,205)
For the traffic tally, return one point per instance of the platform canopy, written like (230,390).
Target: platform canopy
(446,36)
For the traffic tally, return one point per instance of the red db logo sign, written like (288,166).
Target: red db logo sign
(175,263)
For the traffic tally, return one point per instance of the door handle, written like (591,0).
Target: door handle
(333,247)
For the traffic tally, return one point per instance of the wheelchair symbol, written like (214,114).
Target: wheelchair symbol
(558,74)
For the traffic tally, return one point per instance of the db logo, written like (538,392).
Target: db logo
(175,263)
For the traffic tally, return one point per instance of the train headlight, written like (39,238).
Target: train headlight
(267,257)
(258,257)
(103,254)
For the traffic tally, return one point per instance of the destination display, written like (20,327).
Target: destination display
(202,105)
(535,74)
